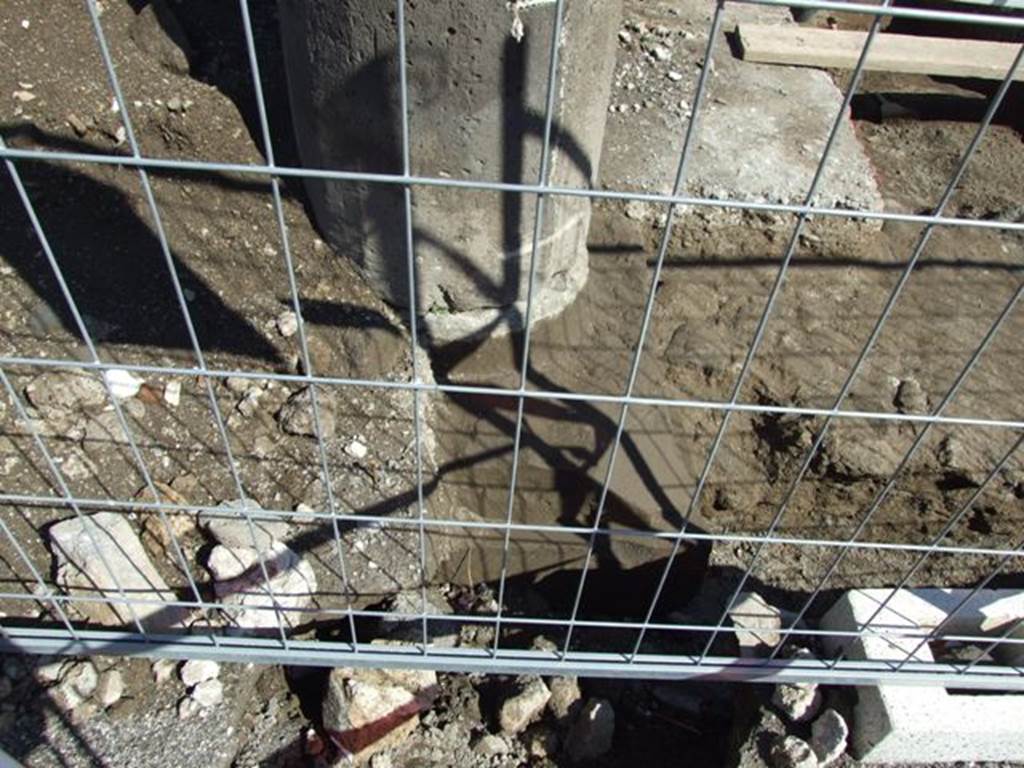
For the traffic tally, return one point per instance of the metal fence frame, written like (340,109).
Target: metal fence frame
(284,649)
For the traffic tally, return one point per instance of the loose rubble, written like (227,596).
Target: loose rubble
(101,553)
(525,706)
(829,735)
(291,588)
(752,612)
(565,693)
(110,688)
(197,671)
(799,702)
(793,752)
(368,710)
(296,415)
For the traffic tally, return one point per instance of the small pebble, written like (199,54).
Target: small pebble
(110,688)
(187,708)
(163,670)
(197,671)
(172,393)
(287,324)
(356,449)
(209,693)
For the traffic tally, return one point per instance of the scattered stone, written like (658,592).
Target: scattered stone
(356,449)
(637,210)
(188,707)
(208,693)
(66,391)
(84,547)
(250,402)
(110,688)
(520,710)
(541,741)
(491,745)
(157,32)
(292,586)
(565,692)
(163,670)
(123,384)
(83,678)
(910,397)
(50,672)
(674,76)
(304,513)
(241,385)
(799,702)
(660,52)
(591,733)
(77,125)
(828,736)
(287,324)
(65,697)
(225,563)
(955,456)
(155,535)
(792,752)
(296,415)
(625,37)
(368,710)
(197,671)
(752,612)
(172,393)
(24,96)
(235,531)
(175,104)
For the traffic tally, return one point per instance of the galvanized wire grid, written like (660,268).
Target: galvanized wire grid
(66,637)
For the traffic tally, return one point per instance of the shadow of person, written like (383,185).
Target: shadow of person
(114,267)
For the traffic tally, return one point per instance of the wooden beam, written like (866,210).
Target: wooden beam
(812,47)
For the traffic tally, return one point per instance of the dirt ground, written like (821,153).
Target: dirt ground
(228,254)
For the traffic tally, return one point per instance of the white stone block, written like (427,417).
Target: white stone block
(919,724)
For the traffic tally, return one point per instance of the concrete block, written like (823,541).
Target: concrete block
(899,723)
(762,131)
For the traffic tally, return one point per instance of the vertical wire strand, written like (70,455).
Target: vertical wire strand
(538,223)
(692,129)
(202,370)
(413,330)
(876,331)
(289,262)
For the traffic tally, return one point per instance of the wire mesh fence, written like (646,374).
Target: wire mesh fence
(265,612)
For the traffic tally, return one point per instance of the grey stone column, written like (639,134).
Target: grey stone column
(477,99)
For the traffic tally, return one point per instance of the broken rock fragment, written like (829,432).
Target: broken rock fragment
(291,588)
(528,703)
(368,710)
(101,555)
(296,415)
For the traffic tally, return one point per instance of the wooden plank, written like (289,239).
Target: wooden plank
(812,47)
